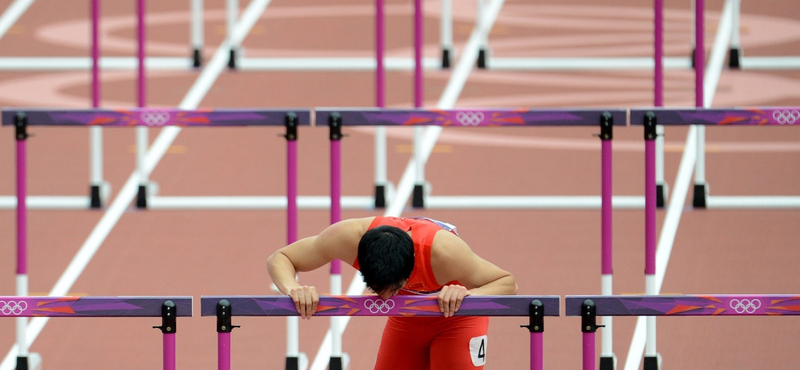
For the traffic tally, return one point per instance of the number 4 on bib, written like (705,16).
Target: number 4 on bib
(477,350)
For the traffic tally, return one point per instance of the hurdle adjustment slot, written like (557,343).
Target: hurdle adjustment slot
(589,317)
(606,126)
(291,126)
(535,317)
(21,126)
(224,324)
(168,318)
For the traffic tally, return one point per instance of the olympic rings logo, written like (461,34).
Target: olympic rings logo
(13,307)
(745,305)
(379,305)
(469,118)
(786,117)
(153,118)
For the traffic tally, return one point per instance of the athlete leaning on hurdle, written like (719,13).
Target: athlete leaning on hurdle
(403,256)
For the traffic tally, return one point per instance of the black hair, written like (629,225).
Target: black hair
(385,257)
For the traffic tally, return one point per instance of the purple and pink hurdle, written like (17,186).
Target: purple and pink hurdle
(535,307)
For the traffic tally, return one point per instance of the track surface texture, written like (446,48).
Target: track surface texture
(549,251)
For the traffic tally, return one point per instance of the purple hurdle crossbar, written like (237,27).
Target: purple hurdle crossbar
(588,307)
(746,116)
(168,308)
(225,307)
(478,117)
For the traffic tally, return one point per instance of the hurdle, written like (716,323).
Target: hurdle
(226,307)
(756,116)
(167,308)
(589,307)
(491,117)
(21,119)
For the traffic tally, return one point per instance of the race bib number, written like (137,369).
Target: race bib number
(477,350)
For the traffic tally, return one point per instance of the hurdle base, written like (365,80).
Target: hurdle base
(417,201)
(445,58)
(662,191)
(380,196)
(297,363)
(608,362)
(95,202)
(735,58)
(98,194)
(197,59)
(339,363)
(31,362)
(141,197)
(482,57)
(652,362)
(232,59)
(700,197)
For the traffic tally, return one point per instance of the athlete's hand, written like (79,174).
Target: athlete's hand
(305,300)
(450,298)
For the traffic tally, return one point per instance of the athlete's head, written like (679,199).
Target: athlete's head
(386,258)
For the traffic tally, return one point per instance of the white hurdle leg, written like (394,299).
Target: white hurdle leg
(101,187)
(418,200)
(483,49)
(661,184)
(233,14)
(197,33)
(446,32)
(735,57)
(700,186)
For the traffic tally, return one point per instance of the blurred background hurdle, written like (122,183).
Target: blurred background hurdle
(658,248)
(21,119)
(225,307)
(589,307)
(43,308)
(722,117)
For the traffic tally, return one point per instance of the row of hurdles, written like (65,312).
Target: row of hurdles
(536,308)
(337,118)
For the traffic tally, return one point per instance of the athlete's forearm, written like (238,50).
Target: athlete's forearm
(282,272)
(505,285)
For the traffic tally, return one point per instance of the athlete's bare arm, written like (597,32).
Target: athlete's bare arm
(338,241)
(452,259)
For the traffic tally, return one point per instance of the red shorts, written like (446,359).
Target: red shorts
(434,343)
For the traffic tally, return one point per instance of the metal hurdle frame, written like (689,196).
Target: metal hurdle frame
(696,118)
(168,308)
(226,307)
(589,307)
(606,119)
(22,118)
(756,116)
